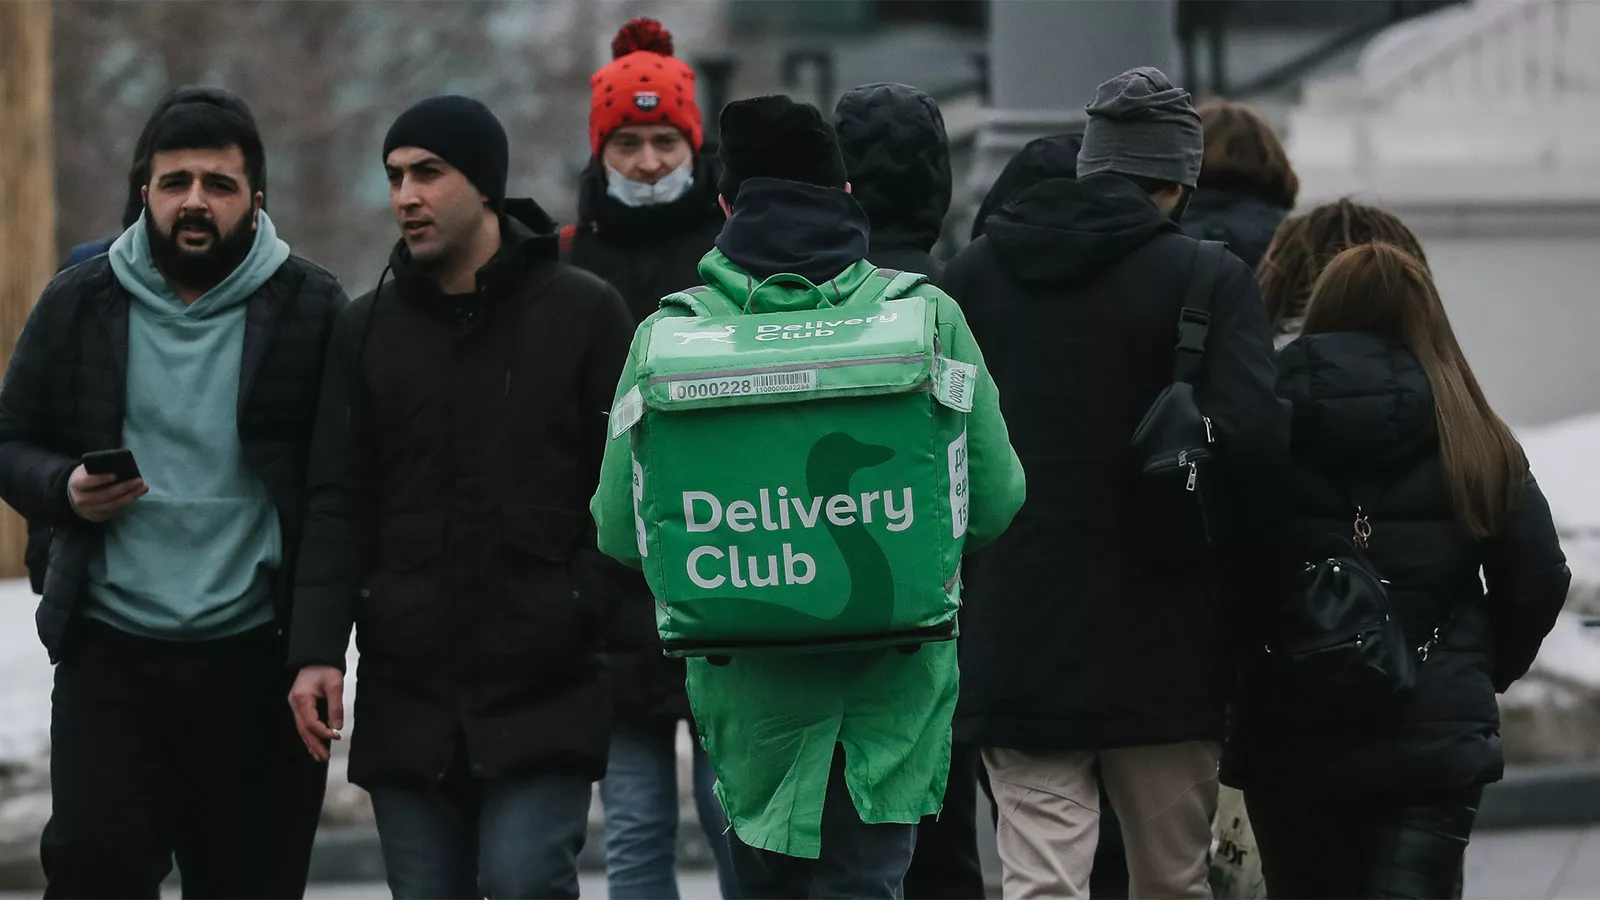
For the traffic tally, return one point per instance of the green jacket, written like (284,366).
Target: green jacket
(770,725)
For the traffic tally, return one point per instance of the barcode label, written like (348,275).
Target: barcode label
(741,385)
(953,383)
(784,382)
(627,413)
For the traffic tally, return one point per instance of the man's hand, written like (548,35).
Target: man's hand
(98,498)
(316,683)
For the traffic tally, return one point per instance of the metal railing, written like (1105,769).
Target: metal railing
(1517,51)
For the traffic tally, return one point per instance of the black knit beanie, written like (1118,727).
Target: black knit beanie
(775,137)
(463,133)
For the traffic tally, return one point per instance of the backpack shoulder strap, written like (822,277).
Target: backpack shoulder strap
(701,302)
(1194,319)
(889,284)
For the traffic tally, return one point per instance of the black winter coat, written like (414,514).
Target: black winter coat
(458,443)
(897,156)
(1100,619)
(65,391)
(1243,221)
(1364,427)
(645,253)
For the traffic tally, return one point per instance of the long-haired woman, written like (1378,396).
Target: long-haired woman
(1389,417)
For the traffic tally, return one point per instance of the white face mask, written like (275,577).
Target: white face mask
(638,193)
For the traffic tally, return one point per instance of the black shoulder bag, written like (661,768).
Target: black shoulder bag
(1173,444)
(1335,646)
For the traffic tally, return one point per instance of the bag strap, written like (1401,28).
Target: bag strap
(897,283)
(1364,501)
(1194,319)
(701,302)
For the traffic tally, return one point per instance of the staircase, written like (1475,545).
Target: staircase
(1494,101)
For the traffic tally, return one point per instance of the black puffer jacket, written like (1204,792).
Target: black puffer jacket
(898,159)
(1243,221)
(645,253)
(1100,619)
(458,442)
(1364,425)
(65,392)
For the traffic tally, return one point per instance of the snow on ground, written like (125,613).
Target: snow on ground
(1566,460)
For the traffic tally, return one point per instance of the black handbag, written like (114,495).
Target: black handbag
(1173,443)
(1335,647)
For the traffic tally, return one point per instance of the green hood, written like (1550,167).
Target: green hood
(135,267)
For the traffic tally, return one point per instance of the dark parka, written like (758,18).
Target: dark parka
(1101,618)
(1364,427)
(65,392)
(645,253)
(458,442)
(1243,220)
(897,155)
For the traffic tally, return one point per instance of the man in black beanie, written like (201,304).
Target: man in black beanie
(825,761)
(461,427)
(1107,659)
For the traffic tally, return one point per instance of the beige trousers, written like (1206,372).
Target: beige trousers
(1049,818)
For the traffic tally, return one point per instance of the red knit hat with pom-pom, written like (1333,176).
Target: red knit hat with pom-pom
(644,84)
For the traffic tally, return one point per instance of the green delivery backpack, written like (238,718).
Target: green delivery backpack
(800,478)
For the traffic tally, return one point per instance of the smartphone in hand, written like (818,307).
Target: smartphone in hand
(111,462)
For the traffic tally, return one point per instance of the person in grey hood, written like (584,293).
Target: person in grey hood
(897,154)
(197,344)
(1107,655)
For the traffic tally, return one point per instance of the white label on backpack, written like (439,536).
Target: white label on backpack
(627,413)
(958,485)
(638,497)
(741,385)
(954,382)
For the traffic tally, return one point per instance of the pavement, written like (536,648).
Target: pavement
(1548,863)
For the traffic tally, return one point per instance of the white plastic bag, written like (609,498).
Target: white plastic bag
(1235,864)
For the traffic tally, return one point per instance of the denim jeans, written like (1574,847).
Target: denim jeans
(862,861)
(640,795)
(500,838)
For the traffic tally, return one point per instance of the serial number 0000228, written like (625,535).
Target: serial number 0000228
(767,383)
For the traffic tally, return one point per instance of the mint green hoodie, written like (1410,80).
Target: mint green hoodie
(193,559)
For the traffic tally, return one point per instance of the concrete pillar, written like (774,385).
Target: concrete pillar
(1046,57)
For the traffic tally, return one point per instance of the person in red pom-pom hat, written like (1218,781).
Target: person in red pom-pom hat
(643,119)
(647,213)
